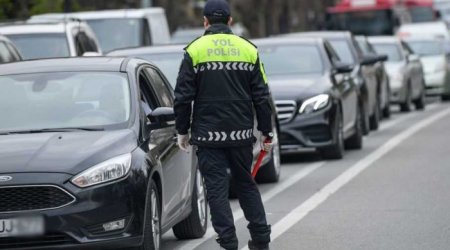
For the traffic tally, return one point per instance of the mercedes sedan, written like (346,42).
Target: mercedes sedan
(88,157)
(318,103)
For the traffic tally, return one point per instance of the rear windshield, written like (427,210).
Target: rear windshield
(35,46)
(291,59)
(391,50)
(119,33)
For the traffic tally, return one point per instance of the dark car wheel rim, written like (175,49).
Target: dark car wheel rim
(155,220)
(201,198)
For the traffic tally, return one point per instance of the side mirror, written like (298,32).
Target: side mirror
(382,58)
(413,58)
(342,68)
(368,60)
(161,118)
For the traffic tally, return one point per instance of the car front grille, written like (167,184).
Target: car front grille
(50,239)
(285,110)
(29,198)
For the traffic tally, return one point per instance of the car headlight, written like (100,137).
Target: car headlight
(313,104)
(109,170)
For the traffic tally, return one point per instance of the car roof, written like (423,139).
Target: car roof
(323,34)
(384,39)
(148,50)
(288,40)
(31,28)
(111,64)
(101,14)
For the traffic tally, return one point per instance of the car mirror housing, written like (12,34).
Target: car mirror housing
(162,115)
(342,68)
(383,58)
(368,60)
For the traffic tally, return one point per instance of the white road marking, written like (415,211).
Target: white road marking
(318,198)
(238,214)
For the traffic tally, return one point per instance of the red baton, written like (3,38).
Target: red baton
(261,156)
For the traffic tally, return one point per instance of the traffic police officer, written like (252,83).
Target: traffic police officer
(222,75)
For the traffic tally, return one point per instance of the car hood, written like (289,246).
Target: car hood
(433,63)
(298,87)
(69,152)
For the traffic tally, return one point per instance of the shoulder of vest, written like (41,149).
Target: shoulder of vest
(195,40)
(248,41)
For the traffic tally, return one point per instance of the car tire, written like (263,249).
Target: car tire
(445,97)
(195,225)
(356,140)
(420,102)
(152,220)
(270,172)
(335,151)
(387,111)
(406,105)
(375,118)
(366,120)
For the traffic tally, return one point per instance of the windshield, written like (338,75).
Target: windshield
(64,100)
(35,46)
(343,50)
(427,48)
(168,63)
(377,22)
(391,50)
(118,33)
(291,59)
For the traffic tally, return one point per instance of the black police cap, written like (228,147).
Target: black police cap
(217,8)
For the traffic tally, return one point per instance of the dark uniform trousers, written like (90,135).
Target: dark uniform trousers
(213,164)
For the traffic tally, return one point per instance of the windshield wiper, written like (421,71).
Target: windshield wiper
(49,130)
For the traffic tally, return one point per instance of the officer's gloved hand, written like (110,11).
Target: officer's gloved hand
(183,142)
(265,145)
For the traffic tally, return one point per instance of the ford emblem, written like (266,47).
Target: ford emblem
(5,178)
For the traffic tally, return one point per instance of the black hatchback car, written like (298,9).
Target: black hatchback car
(88,157)
(318,102)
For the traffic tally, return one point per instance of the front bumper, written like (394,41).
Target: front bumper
(79,225)
(306,131)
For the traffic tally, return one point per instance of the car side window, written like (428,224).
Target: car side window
(160,86)
(147,98)
(5,54)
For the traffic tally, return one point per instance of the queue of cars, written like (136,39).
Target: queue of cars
(88,156)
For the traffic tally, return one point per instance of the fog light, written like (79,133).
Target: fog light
(114,225)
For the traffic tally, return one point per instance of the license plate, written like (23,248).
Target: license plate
(18,227)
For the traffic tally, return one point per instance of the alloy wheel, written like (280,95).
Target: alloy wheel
(201,198)
(156,228)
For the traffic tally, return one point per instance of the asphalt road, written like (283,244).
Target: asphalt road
(393,194)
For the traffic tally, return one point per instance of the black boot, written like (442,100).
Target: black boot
(253,246)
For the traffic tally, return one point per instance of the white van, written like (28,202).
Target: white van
(438,30)
(122,28)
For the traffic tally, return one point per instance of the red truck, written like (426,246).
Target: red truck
(378,17)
